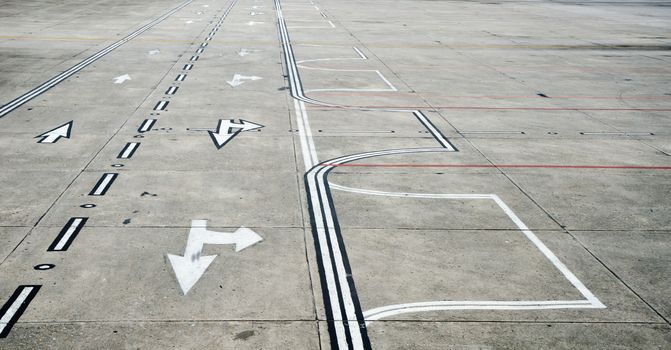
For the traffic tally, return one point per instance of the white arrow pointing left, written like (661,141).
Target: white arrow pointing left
(191,267)
(53,135)
(120,79)
(227,129)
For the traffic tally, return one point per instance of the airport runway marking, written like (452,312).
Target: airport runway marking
(55,134)
(227,129)
(67,234)
(104,184)
(128,150)
(122,78)
(191,266)
(15,306)
(161,105)
(146,125)
(19,101)
(239,79)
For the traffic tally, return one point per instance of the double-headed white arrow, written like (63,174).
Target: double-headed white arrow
(53,135)
(120,79)
(227,129)
(190,267)
(239,79)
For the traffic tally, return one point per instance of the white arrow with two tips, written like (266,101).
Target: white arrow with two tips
(227,129)
(190,267)
(53,135)
(120,79)
(239,79)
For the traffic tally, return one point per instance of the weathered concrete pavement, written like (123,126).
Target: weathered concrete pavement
(421,174)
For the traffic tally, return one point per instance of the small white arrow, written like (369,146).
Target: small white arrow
(120,79)
(189,22)
(154,51)
(227,129)
(239,79)
(245,52)
(251,23)
(256,7)
(191,267)
(53,135)
(255,13)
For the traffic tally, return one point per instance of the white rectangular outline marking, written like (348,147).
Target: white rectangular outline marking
(591,301)
(171,90)
(187,66)
(181,77)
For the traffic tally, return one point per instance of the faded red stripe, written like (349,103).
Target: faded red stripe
(542,166)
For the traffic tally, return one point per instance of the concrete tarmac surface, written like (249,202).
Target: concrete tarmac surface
(322,174)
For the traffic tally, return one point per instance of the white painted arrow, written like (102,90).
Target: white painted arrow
(239,79)
(53,135)
(255,13)
(245,52)
(191,267)
(120,79)
(251,23)
(227,129)
(154,51)
(189,22)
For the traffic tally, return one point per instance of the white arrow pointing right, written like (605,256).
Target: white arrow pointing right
(239,79)
(120,79)
(191,267)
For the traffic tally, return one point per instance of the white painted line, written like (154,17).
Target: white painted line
(391,88)
(393,310)
(19,101)
(181,77)
(128,150)
(199,50)
(492,132)
(67,234)
(434,131)
(187,66)
(160,106)
(363,57)
(146,125)
(103,184)
(193,59)
(359,53)
(171,90)
(308,149)
(15,307)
